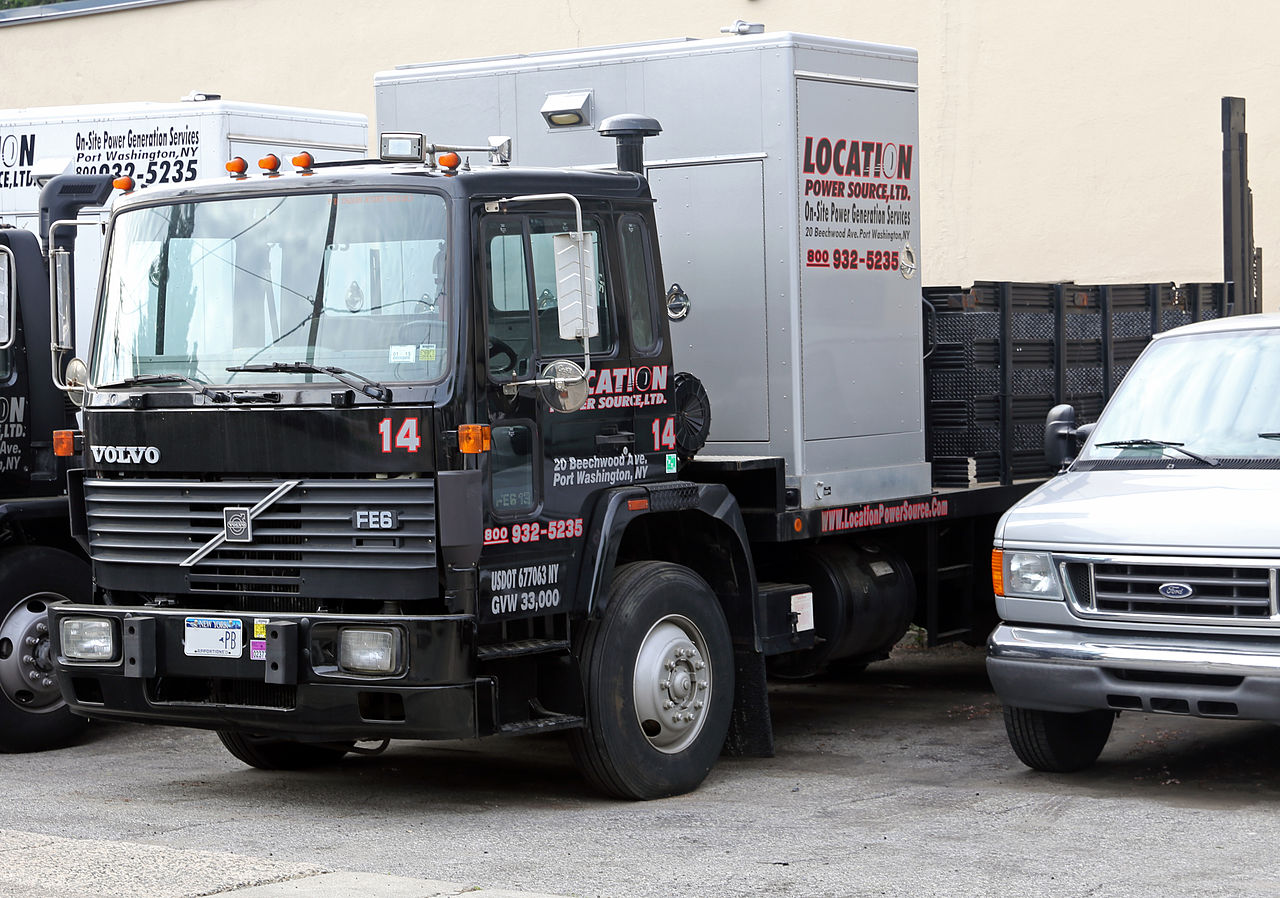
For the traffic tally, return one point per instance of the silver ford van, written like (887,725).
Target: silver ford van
(1144,576)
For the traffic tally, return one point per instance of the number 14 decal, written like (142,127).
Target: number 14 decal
(664,434)
(406,438)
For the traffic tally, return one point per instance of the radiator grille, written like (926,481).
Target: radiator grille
(307,532)
(1224,593)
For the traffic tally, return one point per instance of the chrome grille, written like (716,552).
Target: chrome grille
(307,531)
(1132,588)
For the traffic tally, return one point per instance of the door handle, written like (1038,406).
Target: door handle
(614,439)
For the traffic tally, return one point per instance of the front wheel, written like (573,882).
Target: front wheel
(1057,741)
(267,753)
(658,671)
(33,716)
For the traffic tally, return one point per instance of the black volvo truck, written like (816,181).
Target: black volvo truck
(397,450)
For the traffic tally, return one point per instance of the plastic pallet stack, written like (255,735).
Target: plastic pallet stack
(1001,354)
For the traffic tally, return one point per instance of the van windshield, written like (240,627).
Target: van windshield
(1214,395)
(352,281)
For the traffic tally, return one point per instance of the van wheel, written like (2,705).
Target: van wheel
(658,671)
(33,716)
(267,753)
(1056,741)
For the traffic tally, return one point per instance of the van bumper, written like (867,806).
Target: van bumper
(1081,670)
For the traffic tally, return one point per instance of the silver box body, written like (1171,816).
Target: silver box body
(761,199)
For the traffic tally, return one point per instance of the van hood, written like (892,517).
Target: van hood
(1150,511)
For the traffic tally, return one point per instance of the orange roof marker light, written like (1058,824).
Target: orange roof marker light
(124,183)
(238,168)
(474,438)
(303,162)
(270,165)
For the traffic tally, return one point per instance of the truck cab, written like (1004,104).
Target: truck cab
(1143,577)
(353,471)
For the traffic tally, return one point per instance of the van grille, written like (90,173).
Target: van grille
(305,537)
(1219,592)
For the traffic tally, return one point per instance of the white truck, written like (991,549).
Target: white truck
(78,150)
(153,143)
(1144,576)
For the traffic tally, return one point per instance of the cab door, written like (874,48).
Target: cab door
(544,465)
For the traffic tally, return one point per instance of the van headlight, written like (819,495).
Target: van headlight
(1030,575)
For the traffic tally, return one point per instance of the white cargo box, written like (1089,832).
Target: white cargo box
(154,143)
(787,187)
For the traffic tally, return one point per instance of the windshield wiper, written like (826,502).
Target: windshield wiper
(1162,444)
(365,385)
(138,379)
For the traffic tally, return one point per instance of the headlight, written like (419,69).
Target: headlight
(88,639)
(1030,575)
(369,651)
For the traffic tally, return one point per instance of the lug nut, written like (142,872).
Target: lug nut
(46,682)
(34,675)
(699,665)
(31,640)
(42,627)
(27,659)
(667,706)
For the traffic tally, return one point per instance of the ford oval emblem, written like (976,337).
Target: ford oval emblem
(1175,590)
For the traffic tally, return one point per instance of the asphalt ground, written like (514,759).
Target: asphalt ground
(898,782)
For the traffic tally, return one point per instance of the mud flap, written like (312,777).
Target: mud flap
(750,725)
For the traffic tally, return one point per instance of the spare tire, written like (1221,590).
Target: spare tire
(693,415)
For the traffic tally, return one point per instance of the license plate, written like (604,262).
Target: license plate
(217,637)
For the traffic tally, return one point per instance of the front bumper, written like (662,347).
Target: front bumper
(1077,670)
(282,686)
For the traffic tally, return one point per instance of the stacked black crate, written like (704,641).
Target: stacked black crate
(1029,379)
(1138,311)
(962,380)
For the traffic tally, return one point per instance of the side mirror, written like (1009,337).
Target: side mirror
(576,285)
(564,385)
(1060,435)
(8,295)
(63,300)
(77,381)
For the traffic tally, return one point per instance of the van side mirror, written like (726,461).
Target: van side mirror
(1060,435)
(576,285)
(8,295)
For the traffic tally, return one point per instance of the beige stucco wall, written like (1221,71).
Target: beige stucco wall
(1075,140)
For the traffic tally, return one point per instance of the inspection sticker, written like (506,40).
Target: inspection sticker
(218,637)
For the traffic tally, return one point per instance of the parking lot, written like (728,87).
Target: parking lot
(898,782)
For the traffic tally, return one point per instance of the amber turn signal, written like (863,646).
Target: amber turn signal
(997,571)
(474,438)
(64,443)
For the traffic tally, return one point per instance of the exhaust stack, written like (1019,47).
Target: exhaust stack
(629,130)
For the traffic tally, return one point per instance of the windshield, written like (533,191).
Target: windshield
(1215,395)
(352,281)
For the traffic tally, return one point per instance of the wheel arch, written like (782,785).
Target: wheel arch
(698,526)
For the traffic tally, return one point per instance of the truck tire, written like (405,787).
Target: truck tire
(658,679)
(33,716)
(1056,741)
(267,753)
